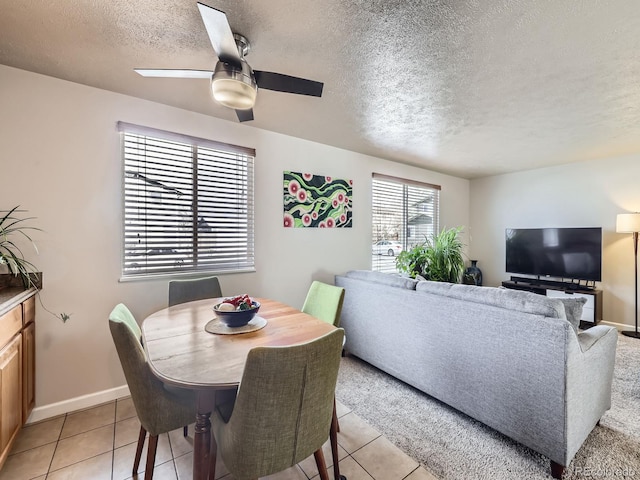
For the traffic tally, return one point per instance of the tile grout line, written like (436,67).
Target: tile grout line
(49,471)
(59,439)
(113,440)
(173,457)
(350,454)
(55,449)
(412,471)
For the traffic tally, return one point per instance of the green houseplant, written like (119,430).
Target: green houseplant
(10,253)
(438,259)
(12,227)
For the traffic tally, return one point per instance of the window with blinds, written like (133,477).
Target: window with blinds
(188,204)
(404,213)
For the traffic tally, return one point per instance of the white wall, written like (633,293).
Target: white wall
(60,160)
(588,194)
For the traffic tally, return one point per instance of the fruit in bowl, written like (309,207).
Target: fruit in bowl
(236,311)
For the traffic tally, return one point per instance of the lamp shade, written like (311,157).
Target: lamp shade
(628,223)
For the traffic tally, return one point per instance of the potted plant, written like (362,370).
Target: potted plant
(438,259)
(11,255)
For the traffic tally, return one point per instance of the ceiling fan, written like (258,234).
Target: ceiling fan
(233,83)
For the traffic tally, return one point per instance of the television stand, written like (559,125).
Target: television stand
(592,310)
(552,283)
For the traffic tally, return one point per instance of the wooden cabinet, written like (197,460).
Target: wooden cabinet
(10,392)
(28,370)
(17,365)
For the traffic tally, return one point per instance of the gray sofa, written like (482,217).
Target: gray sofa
(507,358)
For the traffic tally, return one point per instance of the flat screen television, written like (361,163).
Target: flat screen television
(569,253)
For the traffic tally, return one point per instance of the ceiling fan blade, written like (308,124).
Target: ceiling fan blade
(172,73)
(220,34)
(245,115)
(286,83)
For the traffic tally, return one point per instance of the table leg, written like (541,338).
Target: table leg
(202,435)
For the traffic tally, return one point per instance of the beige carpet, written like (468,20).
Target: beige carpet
(454,447)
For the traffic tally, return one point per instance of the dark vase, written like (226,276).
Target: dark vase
(472,275)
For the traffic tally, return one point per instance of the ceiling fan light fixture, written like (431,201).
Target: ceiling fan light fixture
(233,83)
(234,87)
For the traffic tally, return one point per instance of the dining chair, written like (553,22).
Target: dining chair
(181,291)
(324,302)
(286,393)
(189,290)
(160,409)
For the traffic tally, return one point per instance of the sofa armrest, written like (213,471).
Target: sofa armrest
(590,365)
(589,337)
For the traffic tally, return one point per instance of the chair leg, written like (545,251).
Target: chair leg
(151,456)
(185,430)
(320,463)
(141,437)
(557,470)
(333,437)
(213,453)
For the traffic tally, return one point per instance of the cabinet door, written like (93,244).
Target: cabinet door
(29,310)
(10,393)
(588,310)
(28,370)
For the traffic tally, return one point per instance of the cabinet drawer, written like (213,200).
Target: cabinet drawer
(588,315)
(560,294)
(591,303)
(10,324)
(29,310)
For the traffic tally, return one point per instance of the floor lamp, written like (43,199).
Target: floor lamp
(630,223)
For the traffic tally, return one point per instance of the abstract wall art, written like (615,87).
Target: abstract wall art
(316,201)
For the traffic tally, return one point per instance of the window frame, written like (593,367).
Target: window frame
(406,195)
(200,148)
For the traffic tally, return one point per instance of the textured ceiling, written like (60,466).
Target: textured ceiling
(470,88)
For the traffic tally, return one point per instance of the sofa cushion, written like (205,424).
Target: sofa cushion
(573,310)
(383,278)
(518,300)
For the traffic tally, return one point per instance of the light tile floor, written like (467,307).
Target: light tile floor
(99,443)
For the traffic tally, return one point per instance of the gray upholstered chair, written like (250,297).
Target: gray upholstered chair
(181,291)
(189,290)
(159,408)
(286,393)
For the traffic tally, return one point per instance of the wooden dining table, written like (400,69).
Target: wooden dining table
(181,353)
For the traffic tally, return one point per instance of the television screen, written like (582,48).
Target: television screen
(574,253)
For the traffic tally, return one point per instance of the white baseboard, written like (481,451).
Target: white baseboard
(619,326)
(78,403)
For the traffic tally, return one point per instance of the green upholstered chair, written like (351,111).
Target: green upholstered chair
(283,409)
(181,291)
(159,408)
(324,302)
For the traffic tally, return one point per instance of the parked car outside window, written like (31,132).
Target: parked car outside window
(386,247)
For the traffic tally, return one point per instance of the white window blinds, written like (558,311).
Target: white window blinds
(188,204)
(404,212)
